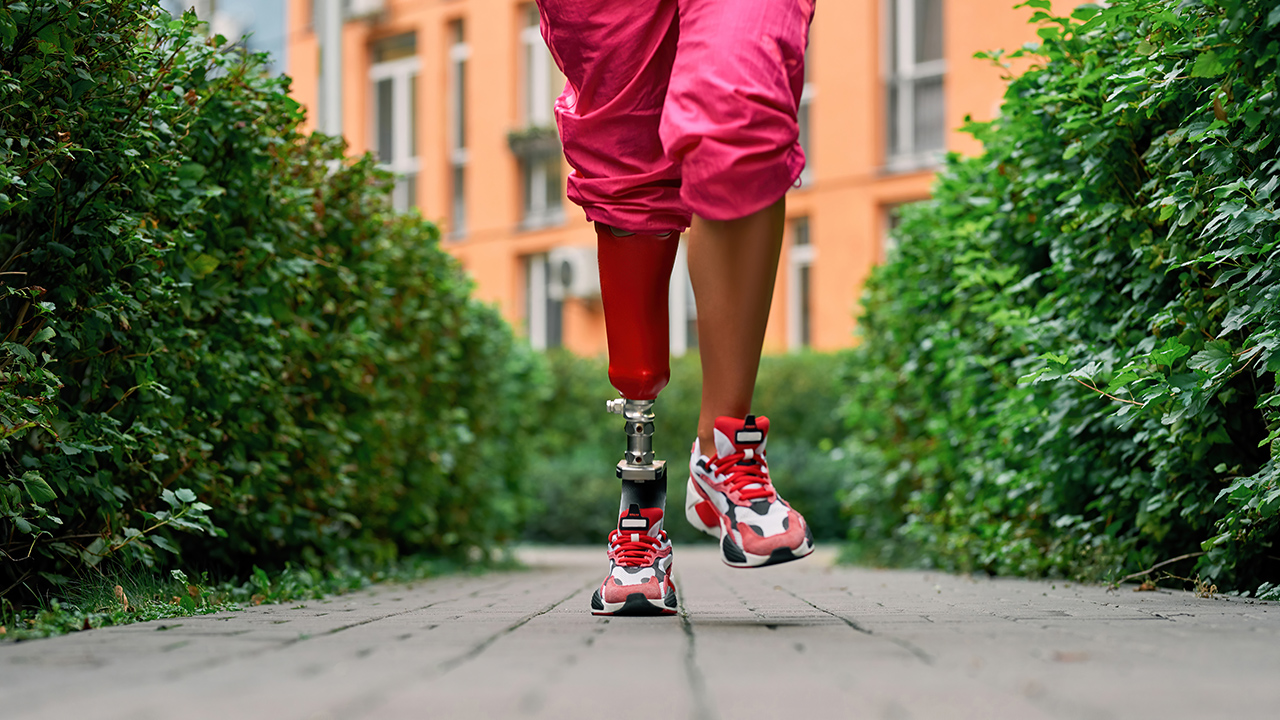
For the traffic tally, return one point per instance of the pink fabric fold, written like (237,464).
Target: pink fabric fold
(678,107)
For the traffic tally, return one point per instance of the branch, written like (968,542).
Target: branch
(17,582)
(1159,565)
(1113,397)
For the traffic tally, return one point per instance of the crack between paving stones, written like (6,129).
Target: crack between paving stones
(335,631)
(702,705)
(915,651)
(454,663)
(368,704)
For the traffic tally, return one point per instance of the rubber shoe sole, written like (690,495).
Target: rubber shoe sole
(697,507)
(636,605)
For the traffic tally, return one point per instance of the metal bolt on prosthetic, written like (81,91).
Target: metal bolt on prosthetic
(637,464)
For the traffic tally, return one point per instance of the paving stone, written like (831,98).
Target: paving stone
(800,640)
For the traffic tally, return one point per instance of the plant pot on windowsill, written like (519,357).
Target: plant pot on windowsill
(534,143)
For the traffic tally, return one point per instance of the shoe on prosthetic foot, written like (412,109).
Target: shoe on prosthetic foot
(731,497)
(639,580)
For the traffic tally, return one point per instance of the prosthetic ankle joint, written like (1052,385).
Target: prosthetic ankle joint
(638,464)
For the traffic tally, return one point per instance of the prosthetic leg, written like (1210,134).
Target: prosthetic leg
(635,274)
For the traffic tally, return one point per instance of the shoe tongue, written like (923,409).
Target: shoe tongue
(733,435)
(646,521)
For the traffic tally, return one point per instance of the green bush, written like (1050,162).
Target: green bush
(215,323)
(1069,364)
(571,477)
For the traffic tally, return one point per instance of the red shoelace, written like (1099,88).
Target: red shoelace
(748,480)
(629,553)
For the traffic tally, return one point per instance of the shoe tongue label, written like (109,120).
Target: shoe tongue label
(633,520)
(628,523)
(748,437)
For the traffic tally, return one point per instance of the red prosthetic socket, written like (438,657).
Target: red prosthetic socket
(635,275)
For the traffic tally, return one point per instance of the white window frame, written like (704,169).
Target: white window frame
(459,54)
(536,176)
(537,322)
(536,300)
(903,73)
(537,75)
(402,73)
(799,257)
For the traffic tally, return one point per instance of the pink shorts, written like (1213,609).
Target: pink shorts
(675,107)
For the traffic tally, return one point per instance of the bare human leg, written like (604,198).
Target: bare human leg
(733,265)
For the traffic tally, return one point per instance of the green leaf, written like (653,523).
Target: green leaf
(1171,351)
(191,171)
(1085,11)
(19,350)
(204,264)
(37,489)
(1121,380)
(1273,17)
(1216,357)
(44,334)
(185,495)
(1208,64)
(93,554)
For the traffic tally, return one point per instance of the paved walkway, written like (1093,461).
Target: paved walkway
(804,640)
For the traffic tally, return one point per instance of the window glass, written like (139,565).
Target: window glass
(395,47)
(385,119)
(928,30)
(928,120)
(413,115)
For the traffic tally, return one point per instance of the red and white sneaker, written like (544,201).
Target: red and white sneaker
(639,580)
(731,497)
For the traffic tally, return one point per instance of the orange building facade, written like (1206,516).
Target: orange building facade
(455,96)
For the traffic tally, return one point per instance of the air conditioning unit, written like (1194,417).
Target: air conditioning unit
(572,272)
(363,9)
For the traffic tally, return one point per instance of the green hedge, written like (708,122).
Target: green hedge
(571,478)
(214,322)
(1068,365)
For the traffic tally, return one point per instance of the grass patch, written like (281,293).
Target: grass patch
(124,595)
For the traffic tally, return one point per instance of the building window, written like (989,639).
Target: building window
(682,309)
(537,146)
(459,52)
(543,315)
(804,116)
(542,195)
(892,218)
(246,25)
(800,258)
(394,76)
(917,129)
